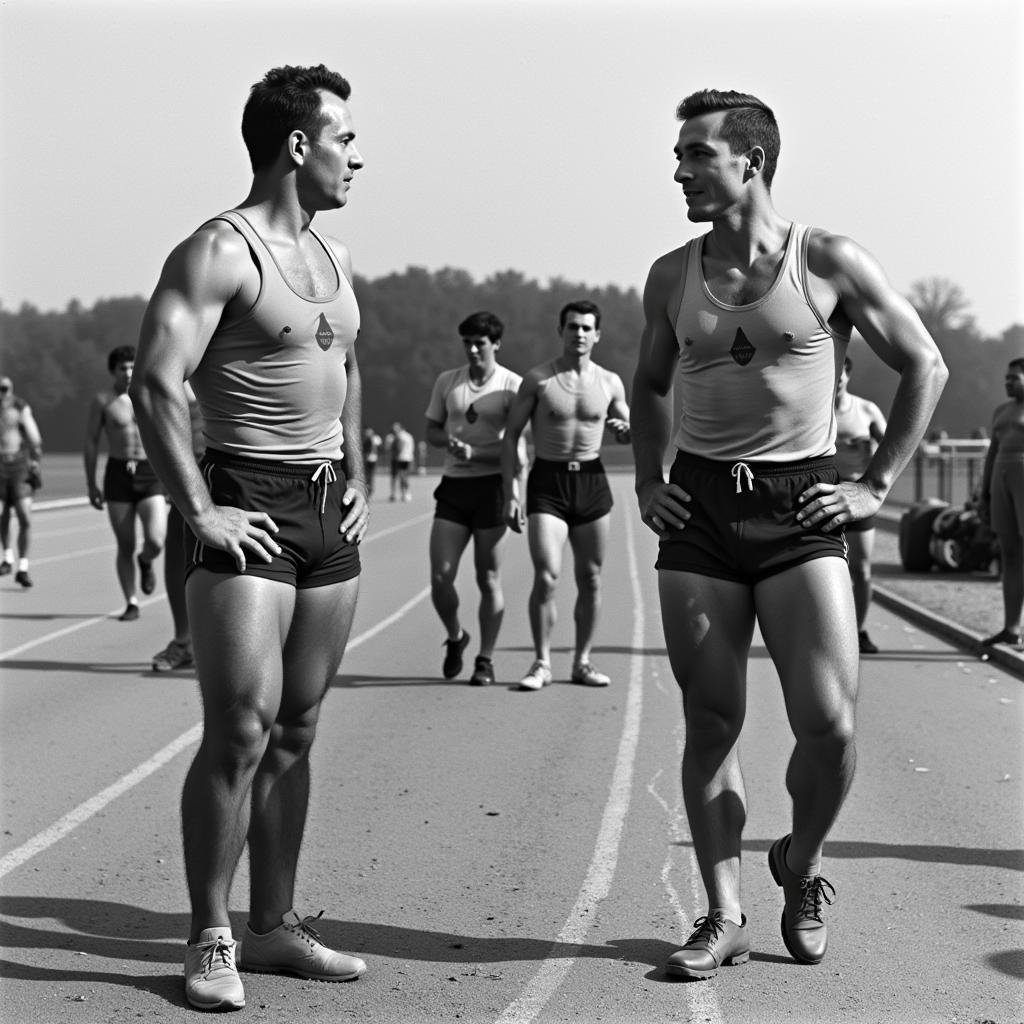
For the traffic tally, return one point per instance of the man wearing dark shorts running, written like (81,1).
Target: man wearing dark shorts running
(1002,500)
(569,401)
(21,449)
(752,320)
(466,416)
(256,309)
(860,427)
(131,491)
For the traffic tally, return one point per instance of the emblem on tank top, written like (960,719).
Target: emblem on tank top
(742,351)
(471,414)
(324,334)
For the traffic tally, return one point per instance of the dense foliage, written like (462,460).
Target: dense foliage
(58,359)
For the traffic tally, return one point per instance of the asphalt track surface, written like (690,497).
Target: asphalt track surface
(497,857)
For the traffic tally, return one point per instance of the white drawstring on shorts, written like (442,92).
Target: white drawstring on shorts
(329,477)
(740,472)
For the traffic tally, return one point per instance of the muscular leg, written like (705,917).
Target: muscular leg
(447,542)
(588,541)
(862,546)
(547,536)
(816,656)
(122,521)
(153,516)
(23,509)
(1011,556)
(488,546)
(708,625)
(280,790)
(239,625)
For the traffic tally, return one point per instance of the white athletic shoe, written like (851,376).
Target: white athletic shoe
(293,947)
(211,978)
(538,677)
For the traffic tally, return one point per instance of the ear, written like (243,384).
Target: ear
(298,146)
(755,162)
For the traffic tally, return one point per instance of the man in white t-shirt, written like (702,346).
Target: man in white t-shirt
(466,416)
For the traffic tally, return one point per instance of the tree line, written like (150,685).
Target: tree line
(408,335)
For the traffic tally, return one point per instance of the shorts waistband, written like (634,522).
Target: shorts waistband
(758,468)
(21,456)
(271,467)
(572,466)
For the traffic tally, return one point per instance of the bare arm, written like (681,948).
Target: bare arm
(353,525)
(618,411)
(895,333)
(90,450)
(984,508)
(201,276)
(518,416)
(662,505)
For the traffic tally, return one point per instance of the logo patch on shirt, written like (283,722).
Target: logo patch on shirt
(742,351)
(687,340)
(324,334)
(471,414)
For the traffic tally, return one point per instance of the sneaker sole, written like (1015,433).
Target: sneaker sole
(677,971)
(218,1007)
(305,975)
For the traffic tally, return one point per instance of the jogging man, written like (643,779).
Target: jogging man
(372,444)
(131,489)
(401,447)
(754,317)
(1002,500)
(256,309)
(21,449)
(466,416)
(569,401)
(860,427)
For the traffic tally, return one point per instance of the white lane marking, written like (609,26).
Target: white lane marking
(597,882)
(59,829)
(57,634)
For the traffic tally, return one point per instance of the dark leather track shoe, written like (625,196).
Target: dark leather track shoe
(715,942)
(803,930)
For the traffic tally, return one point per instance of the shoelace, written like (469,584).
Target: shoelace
(813,892)
(742,467)
(219,949)
(329,477)
(708,928)
(306,929)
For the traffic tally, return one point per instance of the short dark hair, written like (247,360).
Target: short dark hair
(748,123)
(1018,362)
(482,324)
(583,306)
(121,354)
(848,364)
(287,99)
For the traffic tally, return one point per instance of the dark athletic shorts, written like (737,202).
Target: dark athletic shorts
(130,481)
(14,476)
(860,525)
(307,513)
(745,529)
(577,492)
(474,501)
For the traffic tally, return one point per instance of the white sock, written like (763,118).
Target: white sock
(9,556)
(23,565)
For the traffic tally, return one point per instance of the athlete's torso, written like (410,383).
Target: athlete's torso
(475,414)
(272,384)
(11,411)
(568,421)
(756,381)
(122,432)
(1008,431)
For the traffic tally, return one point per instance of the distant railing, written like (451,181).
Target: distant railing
(949,469)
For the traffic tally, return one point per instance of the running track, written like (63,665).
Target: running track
(497,857)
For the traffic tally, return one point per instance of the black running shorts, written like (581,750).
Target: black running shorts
(477,502)
(306,510)
(14,478)
(577,492)
(742,523)
(130,481)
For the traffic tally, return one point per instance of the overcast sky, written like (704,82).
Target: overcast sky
(504,134)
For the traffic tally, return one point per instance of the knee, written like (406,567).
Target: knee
(588,582)
(544,583)
(488,581)
(711,732)
(860,572)
(442,576)
(293,738)
(830,740)
(236,739)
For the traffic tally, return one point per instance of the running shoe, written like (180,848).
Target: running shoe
(867,646)
(539,676)
(584,673)
(173,657)
(1004,636)
(803,930)
(211,977)
(716,942)
(453,656)
(6,568)
(130,614)
(22,577)
(483,672)
(293,947)
(147,578)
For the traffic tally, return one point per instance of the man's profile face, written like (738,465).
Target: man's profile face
(6,388)
(712,177)
(122,374)
(332,157)
(1014,381)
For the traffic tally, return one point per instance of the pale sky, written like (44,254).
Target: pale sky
(511,134)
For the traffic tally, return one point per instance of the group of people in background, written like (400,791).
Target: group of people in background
(768,505)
